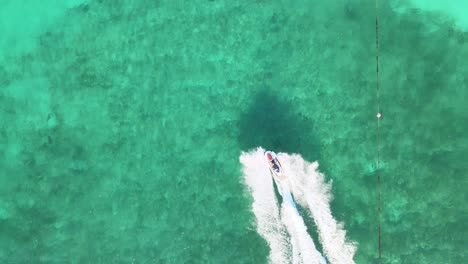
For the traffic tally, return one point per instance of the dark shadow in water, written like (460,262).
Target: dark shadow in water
(271,123)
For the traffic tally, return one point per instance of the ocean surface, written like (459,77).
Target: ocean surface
(133,131)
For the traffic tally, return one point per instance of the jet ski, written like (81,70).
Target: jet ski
(280,179)
(274,165)
(276,170)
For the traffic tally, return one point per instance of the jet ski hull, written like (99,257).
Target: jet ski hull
(277,172)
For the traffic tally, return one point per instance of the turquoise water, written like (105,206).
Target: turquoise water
(123,123)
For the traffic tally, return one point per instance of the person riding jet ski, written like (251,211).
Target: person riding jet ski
(275,166)
(274,163)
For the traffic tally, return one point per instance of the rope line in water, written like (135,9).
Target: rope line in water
(378,118)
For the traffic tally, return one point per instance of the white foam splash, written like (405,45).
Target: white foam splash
(265,206)
(274,224)
(311,190)
(303,247)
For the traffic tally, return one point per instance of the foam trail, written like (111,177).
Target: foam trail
(312,191)
(299,248)
(303,247)
(265,208)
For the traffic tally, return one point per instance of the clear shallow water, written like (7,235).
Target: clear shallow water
(123,123)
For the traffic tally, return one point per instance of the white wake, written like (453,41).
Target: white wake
(311,191)
(303,247)
(265,207)
(283,227)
